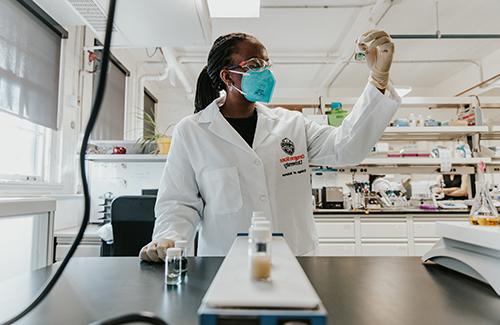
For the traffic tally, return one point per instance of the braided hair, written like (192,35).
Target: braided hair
(209,82)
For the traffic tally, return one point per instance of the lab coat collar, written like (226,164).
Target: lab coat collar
(219,125)
(265,123)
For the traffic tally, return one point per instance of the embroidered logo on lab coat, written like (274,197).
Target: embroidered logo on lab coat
(287,146)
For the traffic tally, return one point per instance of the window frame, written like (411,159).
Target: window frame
(153,98)
(121,67)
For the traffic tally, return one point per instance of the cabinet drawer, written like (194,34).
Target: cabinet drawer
(336,249)
(81,251)
(335,229)
(384,249)
(424,229)
(422,248)
(384,230)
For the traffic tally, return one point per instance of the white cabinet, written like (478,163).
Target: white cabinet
(336,249)
(422,248)
(90,245)
(333,229)
(85,250)
(384,229)
(379,235)
(384,249)
(424,229)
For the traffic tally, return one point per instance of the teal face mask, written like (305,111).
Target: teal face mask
(257,86)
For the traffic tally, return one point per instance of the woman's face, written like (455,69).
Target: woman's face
(245,50)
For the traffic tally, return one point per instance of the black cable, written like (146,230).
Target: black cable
(93,116)
(144,317)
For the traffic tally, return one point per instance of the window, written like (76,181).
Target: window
(111,121)
(149,108)
(30,51)
(27,147)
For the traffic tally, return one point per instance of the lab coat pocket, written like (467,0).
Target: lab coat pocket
(223,192)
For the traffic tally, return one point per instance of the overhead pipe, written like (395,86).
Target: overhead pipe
(347,62)
(142,80)
(175,66)
(476,63)
(445,36)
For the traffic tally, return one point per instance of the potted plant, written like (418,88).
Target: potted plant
(156,143)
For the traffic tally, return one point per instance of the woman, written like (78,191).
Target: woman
(235,156)
(454,187)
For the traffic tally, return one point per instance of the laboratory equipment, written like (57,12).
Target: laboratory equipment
(183,245)
(260,254)
(234,298)
(392,194)
(336,115)
(468,249)
(173,266)
(358,192)
(332,198)
(483,212)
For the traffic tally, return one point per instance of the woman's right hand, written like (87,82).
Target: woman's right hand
(156,251)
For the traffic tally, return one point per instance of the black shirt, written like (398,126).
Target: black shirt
(245,126)
(455,182)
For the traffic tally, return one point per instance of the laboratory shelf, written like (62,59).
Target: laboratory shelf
(431,132)
(126,158)
(492,134)
(423,161)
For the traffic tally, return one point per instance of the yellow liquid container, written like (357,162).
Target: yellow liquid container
(483,211)
(163,145)
(484,221)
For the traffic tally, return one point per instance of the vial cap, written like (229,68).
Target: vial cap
(174,252)
(181,243)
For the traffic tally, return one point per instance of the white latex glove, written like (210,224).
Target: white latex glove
(156,251)
(379,50)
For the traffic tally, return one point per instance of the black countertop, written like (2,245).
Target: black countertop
(354,290)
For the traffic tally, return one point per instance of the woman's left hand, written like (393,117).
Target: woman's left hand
(379,49)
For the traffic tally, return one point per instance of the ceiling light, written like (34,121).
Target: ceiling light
(234,8)
(403,90)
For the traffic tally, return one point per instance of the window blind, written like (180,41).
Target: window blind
(29,65)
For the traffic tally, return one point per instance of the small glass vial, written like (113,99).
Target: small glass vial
(260,254)
(183,245)
(173,266)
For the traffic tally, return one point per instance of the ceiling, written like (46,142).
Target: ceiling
(318,32)
(306,38)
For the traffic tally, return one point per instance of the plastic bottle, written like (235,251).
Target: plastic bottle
(183,245)
(412,120)
(173,266)
(483,211)
(260,254)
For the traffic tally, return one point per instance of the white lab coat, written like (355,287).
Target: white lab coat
(213,179)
